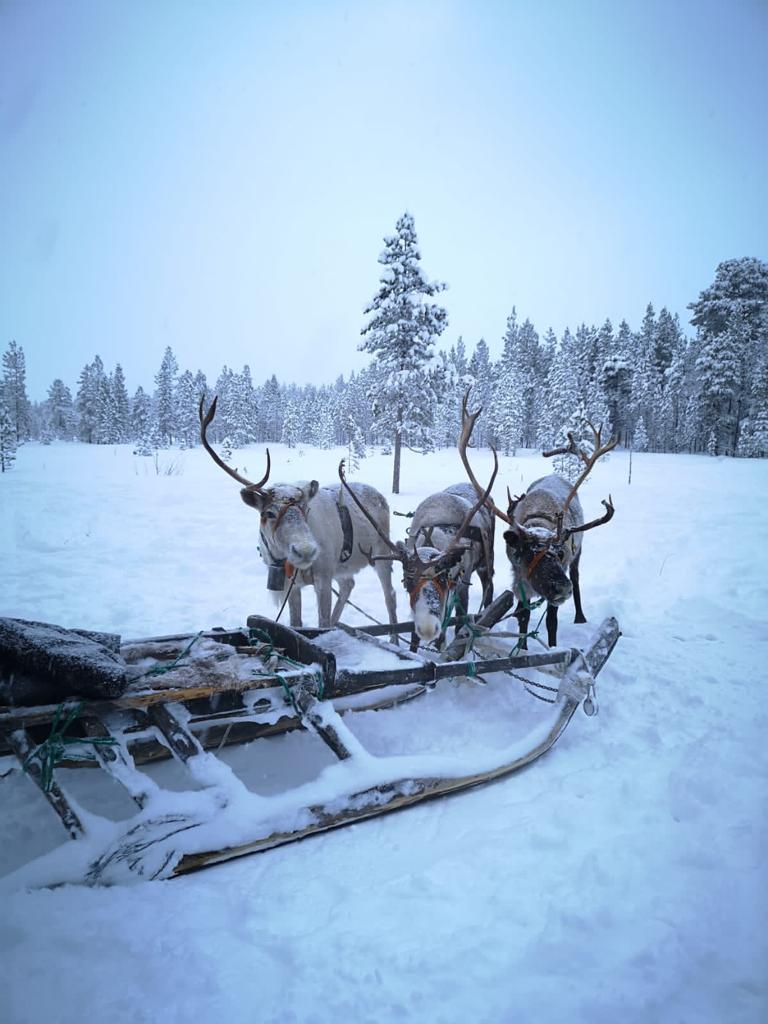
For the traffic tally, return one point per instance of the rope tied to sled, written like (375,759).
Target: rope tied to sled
(53,750)
(278,654)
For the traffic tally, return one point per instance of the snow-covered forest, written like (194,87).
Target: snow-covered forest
(656,388)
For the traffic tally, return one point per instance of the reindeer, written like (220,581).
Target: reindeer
(308,534)
(439,569)
(437,521)
(543,542)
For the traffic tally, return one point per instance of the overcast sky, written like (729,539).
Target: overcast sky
(219,176)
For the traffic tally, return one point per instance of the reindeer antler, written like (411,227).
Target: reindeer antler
(205,421)
(599,450)
(468,420)
(397,553)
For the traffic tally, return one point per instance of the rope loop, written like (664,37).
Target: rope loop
(53,750)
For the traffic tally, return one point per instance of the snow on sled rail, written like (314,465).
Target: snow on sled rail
(175,833)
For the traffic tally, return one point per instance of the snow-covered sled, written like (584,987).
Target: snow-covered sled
(189,697)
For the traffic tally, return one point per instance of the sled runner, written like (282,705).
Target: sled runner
(188,697)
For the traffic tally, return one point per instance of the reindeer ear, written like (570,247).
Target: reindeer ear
(252,498)
(313,489)
(511,537)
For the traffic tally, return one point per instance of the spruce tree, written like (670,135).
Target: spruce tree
(400,334)
(61,412)
(165,397)
(719,369)
(7,439)
(14,390)
(121,405)
(480,374)
(187,404)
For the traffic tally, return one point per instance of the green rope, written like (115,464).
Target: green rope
(160,670)
(528,605)
(532,634)
(53,750)
(266,639)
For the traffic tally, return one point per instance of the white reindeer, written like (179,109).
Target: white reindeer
(309,536)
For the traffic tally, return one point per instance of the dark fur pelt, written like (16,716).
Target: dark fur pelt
(41,663)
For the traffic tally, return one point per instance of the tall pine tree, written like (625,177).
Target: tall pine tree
(400,335)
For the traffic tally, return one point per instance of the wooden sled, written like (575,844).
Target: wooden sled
(245,684)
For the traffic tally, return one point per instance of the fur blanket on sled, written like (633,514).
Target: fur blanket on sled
(41,663)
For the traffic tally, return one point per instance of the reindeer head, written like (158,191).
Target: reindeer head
(287,542)
(429,575)
(540,560)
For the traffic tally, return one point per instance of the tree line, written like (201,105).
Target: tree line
(652,386)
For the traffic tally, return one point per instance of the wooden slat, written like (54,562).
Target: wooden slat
(22,746)
(181,742)
(315,715)
(117,762)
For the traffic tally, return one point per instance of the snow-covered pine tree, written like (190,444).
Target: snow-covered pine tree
(270,408)
(445,418)
(355,444)
(14,390)
(506,414)
(561,393)
(570,466)
(616,381)
(481,378)
(545,358)
(247,417)
(89,401)
(165,397)
(187,402)
(400,335)
(640,437)
(720,384)
(646,385)
(141,414)
(740,286)
(758,430)
(291,425)
(7,439)
(61,411)
(122,405)
(107,429)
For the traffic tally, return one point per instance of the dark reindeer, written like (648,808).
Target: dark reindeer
(433,574)
(439,518)
(543,541)
(309,536)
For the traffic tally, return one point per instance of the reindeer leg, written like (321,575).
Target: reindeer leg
(576,589)
(552,625)
(294,606)
(523,616)
(414,645)
(346,586)
(384,572)
(485,572)
(323,594)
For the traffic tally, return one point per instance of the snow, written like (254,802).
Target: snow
(622,875)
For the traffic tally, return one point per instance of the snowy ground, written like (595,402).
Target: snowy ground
(623,876)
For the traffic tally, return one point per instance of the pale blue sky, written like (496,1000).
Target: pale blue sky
(218,176)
